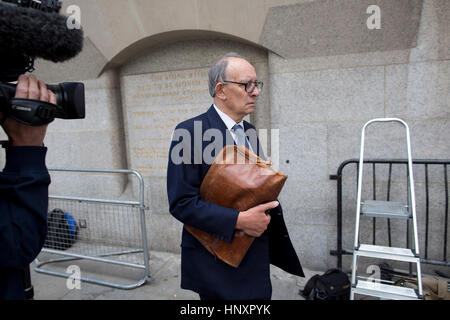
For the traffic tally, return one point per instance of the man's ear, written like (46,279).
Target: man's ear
(220,91)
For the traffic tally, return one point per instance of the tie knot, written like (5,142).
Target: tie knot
(237,127)
(241,139)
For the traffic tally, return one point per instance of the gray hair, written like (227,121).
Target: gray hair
(218,71)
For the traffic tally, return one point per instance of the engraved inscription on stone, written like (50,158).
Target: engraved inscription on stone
(154,104)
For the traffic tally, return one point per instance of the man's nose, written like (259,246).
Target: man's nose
(255,92)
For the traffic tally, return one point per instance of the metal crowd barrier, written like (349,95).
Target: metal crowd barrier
(424,212)
(107,231)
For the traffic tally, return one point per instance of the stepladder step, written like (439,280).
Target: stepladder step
(390,253)
(380,290)
(384,209)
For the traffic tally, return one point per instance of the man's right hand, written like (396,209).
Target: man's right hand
(19,134)
(254,221)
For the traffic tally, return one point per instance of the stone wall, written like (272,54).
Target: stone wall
(320,102)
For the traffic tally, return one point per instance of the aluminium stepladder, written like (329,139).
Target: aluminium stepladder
(391,210)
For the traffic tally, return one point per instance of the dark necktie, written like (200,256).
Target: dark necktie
(241,139)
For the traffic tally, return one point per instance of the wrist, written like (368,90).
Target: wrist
(19,143)
(240,220)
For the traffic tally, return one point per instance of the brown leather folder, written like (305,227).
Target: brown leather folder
(240,180)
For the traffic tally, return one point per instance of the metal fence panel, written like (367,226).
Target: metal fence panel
(106,231)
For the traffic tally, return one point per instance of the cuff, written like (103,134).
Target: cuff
(21,159)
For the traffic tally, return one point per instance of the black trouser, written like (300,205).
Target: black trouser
(27,286)
(208,298)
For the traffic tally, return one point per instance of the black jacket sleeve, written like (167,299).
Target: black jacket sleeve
(23,206)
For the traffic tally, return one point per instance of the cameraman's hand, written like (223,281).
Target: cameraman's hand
(28,87)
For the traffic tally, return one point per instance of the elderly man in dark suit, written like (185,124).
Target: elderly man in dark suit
(234,86)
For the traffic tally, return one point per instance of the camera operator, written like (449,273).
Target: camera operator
(23,193)
(30,29)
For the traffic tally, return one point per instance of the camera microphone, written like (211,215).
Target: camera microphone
(37,33)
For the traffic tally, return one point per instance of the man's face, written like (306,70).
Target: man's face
(238,102)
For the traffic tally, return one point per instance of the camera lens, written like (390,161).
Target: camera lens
(70,96)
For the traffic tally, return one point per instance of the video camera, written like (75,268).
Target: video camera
(30,29)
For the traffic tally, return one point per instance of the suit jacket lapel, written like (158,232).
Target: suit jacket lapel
(253,139)
(216,122)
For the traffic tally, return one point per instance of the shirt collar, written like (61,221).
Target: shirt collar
(230,123)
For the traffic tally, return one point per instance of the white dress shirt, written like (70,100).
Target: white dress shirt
(230,123)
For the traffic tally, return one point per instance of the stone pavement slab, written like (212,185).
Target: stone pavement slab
(165,270)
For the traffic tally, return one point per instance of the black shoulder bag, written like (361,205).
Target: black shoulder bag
(332,285)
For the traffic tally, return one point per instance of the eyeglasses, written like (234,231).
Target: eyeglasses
(249,86)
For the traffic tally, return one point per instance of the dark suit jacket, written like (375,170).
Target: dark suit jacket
(200,270)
